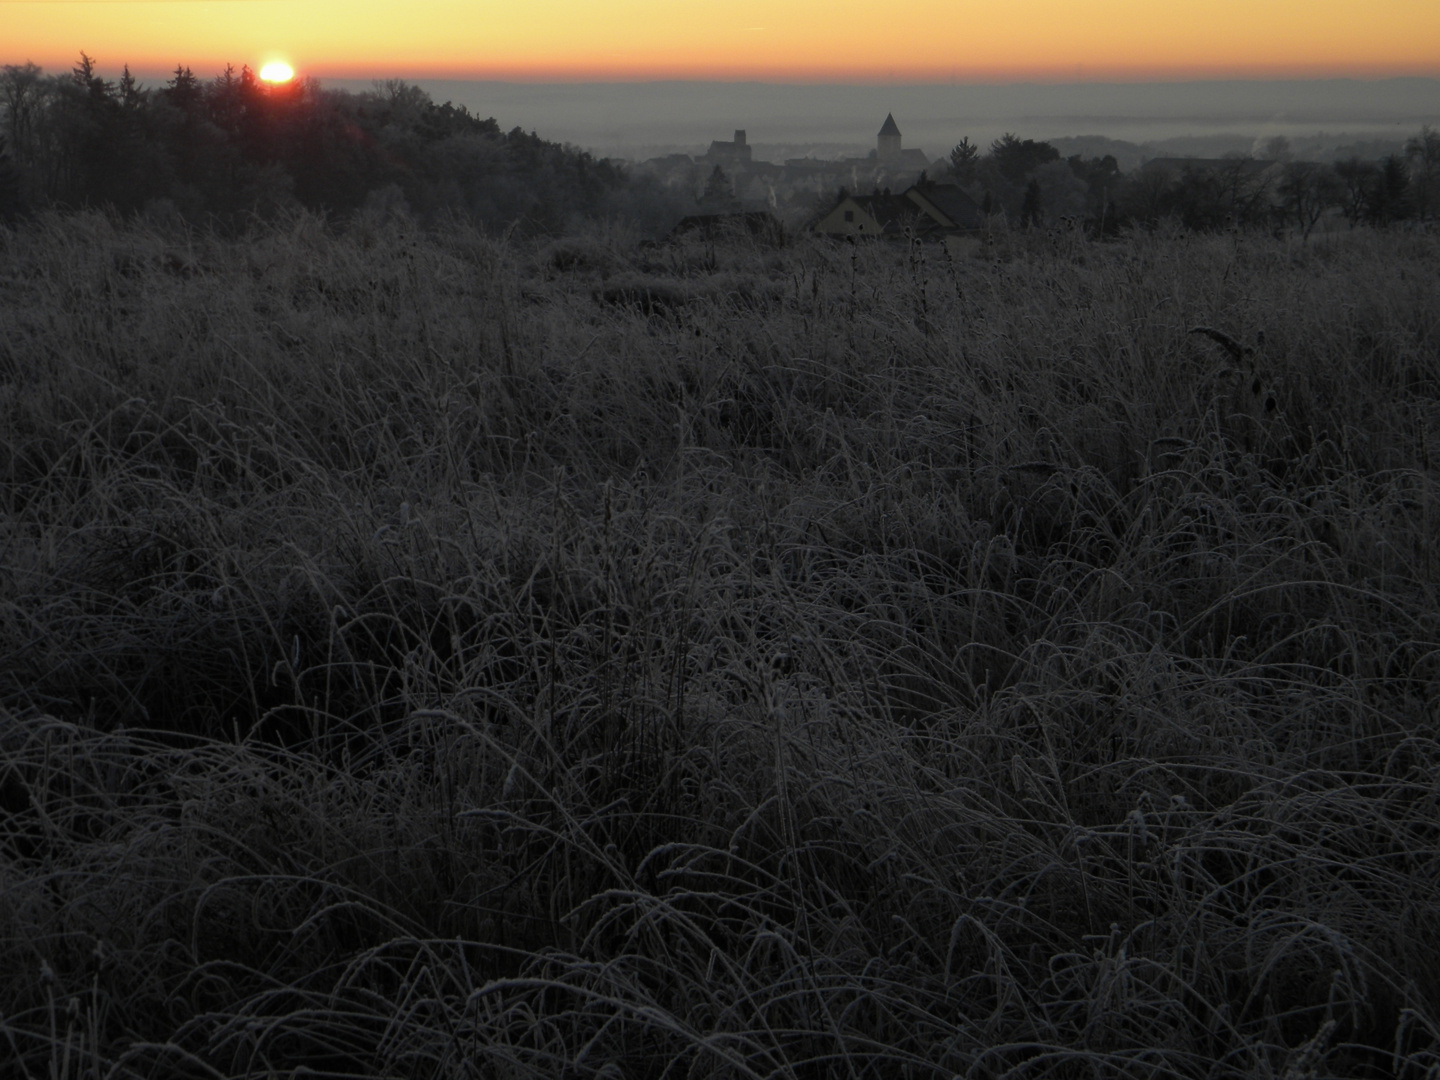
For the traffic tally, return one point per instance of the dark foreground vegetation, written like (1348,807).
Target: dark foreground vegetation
(430,656)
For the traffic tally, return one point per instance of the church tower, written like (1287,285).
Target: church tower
(888,142)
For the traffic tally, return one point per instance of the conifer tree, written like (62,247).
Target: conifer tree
(717,188)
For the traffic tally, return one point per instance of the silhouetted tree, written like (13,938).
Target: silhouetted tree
(21,97)
(718,191)
(1102,179)
(1016,159)
(9,185)
(1031,211)
(1147,197)
(1276,148)
(1357,182)
(83,121)
(128,92)
(963,161)
(1204,197)
(1306,190)
(1422,154)
(24,99)
(1112,220)
(1390,196)
(184,91)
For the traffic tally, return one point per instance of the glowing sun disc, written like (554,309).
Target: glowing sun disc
(277,72)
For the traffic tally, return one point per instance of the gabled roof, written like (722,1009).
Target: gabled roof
(961,210)
(889,128)
(893,212)
(934,210)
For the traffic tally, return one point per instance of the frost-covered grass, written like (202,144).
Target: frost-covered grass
(424,657)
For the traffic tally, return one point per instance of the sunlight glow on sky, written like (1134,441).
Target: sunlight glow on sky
(802,40)
(277,71)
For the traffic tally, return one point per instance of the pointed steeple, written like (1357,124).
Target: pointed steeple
(887,144)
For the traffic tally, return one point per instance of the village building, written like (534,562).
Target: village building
(869,215)
(745,184)
(890,152)
(729,154)
(948,205)
(887,143)
(923,210)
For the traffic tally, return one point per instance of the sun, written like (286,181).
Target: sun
(277,71)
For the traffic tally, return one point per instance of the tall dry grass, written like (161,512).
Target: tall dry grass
(425,657)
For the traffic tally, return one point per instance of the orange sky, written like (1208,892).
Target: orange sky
(806,40)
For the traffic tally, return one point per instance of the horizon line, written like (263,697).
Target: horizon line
(323,70)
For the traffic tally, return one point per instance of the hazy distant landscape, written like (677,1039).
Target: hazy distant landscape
(475,609)
(217,149)
(640,120)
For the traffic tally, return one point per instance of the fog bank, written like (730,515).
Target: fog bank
(638,120)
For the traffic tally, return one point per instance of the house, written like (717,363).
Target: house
(924,210)
(879,214)
(948,205)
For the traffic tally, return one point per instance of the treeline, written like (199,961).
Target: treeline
(224,149)
(1032,184)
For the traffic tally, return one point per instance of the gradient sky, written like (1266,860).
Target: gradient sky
(800,40)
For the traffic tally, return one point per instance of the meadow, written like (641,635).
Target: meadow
(439,655)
